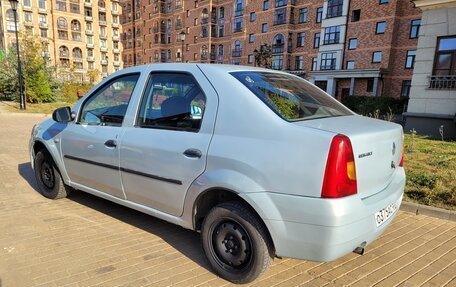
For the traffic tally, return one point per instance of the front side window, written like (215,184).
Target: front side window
(445,58)
(292,98)
(172,101)
(108,106)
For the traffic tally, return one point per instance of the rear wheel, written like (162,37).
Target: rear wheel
(236,242)
(48,177)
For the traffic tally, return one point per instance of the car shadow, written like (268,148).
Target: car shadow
(185,241)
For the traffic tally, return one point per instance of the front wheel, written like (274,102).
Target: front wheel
(236,242)
(48,177)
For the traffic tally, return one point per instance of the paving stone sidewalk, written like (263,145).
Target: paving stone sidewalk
(86,241)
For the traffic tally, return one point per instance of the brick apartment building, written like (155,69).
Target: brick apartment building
(347,47)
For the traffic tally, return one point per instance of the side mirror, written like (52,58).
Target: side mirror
(62,115)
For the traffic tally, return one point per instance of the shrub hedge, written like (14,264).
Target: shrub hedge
(365,105)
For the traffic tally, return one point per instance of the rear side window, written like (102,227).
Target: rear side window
(172,101)
(291,98)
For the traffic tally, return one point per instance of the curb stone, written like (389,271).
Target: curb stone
(428,211)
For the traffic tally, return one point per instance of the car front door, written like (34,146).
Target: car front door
(90,144)
(166,149)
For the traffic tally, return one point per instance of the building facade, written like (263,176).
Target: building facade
(78,36)
(347,47)
(432,104)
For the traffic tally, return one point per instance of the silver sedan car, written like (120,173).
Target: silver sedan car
(262,163)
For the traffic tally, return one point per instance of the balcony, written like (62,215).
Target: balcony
(88,4)
(115,0)
(102,9)
(116,50)
(104,62)
(115,38)
(89,32)
(88,18)
(277,48)
(116,63)
(237,53)
(104,75)
(90,59)
(102,22)
(43,25)
(64,55)
(115,12)
(238,12)
(103,36)
(27,8)
(78,60)
(442,82)
(42,10)
(115,25)
(30,24)
(103,49)
(90,45)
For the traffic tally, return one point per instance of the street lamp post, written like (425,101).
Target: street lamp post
(19,68)
(182,38)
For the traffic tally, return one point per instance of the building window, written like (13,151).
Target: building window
(251,38)
(406,85)
(410,60)
(222,13)
(350,65)
(28,17)
(239,8)
(264,27)
(314,64)
(42,4)
(27,3)
(317,40)
(356,15)
(445,58)
(299,63)
(278,44)
(370,85)
(332,35)
(43,33)
(277,62)
(252,16)
(301,39)
(280,16)
(376,57)
(302,15)
(280,3)
(383,2)
(334,8)
(328,61)
(415,28)
(265,5)
(319,14)
(380,28)
(60,5)
(352,43)
(237,25)
(250,59)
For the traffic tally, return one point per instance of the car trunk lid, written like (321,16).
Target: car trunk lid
(377,148)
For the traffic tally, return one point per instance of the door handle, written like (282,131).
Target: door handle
(194,153)
(110,143)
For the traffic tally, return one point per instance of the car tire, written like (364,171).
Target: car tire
(236,242)
(48,177)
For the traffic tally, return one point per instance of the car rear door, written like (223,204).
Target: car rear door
(166,149)
(90,144)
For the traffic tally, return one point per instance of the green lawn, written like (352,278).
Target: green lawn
(44,108)
(430,166)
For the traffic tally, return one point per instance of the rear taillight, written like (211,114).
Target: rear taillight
(401,163)
(340,173)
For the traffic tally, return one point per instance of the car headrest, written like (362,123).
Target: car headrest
(175,106)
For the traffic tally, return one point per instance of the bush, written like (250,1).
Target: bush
(366,105)
(422,180)
(69,91)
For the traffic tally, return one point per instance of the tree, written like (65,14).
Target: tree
(38,83)
(263,57)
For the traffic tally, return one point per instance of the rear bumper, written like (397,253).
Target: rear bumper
(324,229)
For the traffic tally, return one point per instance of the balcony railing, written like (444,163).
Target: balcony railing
(277,48)
(237,53)
(443,82)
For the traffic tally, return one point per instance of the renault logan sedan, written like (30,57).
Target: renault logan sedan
(262,163)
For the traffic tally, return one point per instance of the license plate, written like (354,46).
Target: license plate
(383,215)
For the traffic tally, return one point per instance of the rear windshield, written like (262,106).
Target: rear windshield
(290,97)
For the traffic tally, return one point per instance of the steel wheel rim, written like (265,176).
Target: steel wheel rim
(47,175)
(230,245)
